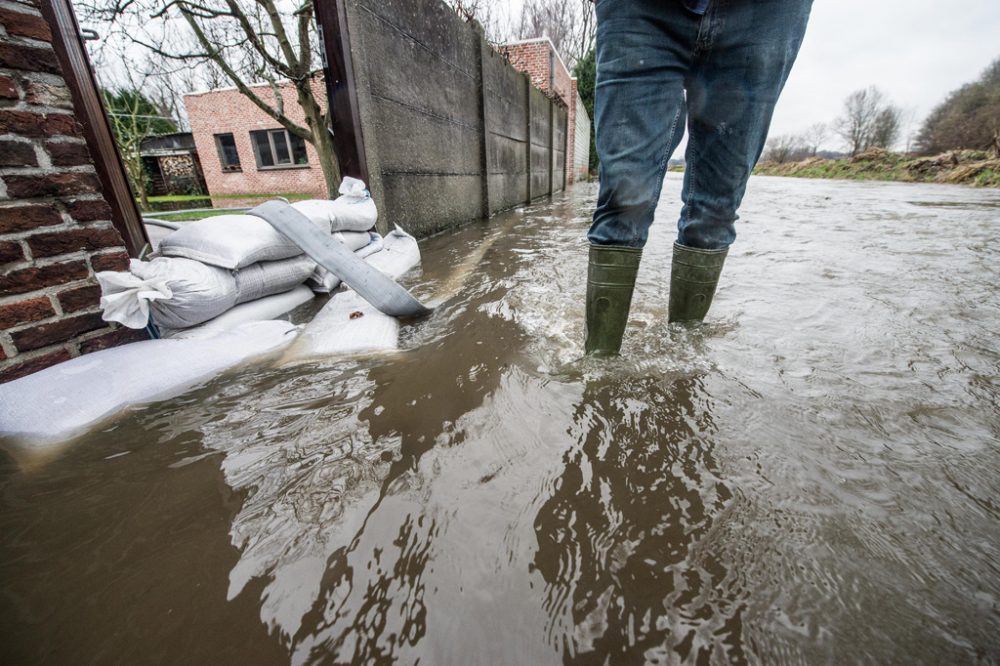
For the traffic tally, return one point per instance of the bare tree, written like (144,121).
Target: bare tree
(248,41)
(886,128)
(498,31)
(815,136)
(869,120)
(570,24)
(785,148)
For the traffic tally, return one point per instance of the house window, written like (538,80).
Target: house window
(229,157)
(277,148)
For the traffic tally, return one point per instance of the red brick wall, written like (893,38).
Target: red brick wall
(535,58)
(226,110)
(55,226)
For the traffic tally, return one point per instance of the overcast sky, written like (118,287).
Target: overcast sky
(915,50)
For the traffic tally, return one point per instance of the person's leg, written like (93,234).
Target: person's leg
(744,55)
(644,50)
(643,53)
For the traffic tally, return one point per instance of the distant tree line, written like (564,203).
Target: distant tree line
(969,118)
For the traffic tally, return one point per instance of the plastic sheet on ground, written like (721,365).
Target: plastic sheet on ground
(52,405)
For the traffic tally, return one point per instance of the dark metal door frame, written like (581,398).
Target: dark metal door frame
(341,94)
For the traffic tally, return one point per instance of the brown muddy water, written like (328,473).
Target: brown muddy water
(810,477)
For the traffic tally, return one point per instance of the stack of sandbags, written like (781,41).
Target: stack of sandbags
(235,265)
(345,217)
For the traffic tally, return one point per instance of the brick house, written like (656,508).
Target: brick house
(57,227)
(245,151)
(539,60)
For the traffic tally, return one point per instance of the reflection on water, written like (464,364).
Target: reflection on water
(621,539)
(809,477)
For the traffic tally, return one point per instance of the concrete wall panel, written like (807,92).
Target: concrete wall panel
(432,145)
(506,103)
(430,23)
(406,72)
(425,204)
(445,119)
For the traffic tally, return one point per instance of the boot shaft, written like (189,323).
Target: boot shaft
(611,277)
(694,276)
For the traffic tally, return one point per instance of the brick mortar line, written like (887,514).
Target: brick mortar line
(20,8)
(20,75)
(24,106)
(53,319)
(52,288)
(18,40)
(26,357)
(8,299)
(18,203)
(65,226)
(8,347)
(45,171)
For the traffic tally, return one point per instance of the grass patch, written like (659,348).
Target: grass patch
(186,198)
(188,217)
(173,207)
(961,167)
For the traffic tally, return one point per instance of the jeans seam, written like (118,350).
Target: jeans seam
(661,168)
(685,211)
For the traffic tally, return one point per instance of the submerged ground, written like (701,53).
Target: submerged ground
(810,477)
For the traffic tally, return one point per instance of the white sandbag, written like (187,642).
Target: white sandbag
(272,277)
(353,210)
(400,253)
(229,241)
(125,298)
(347,324)
(269,307)
(156,235)
(323,281)
(177,293)
(52,405)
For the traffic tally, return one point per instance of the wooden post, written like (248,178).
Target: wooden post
(89,111)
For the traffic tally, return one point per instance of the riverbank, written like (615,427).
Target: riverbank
(960,167)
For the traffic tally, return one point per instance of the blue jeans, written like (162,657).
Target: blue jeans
(660,65)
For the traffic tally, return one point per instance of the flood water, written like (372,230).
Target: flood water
(812,476)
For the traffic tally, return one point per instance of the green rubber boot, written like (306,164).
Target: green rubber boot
(694,275)
(610,282)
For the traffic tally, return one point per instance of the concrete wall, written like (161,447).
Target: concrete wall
(55,224)
(451,131)
(539,59)
(227,111)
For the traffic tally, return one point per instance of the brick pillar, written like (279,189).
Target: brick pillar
(55,225)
